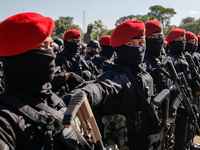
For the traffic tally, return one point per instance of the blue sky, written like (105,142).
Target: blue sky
(108,11)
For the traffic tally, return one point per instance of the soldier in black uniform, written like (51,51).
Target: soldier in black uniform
(31,115)
(60,42)
(82,51)
(190,50)
(69,59)
(126,88)
(56,48)
(94,50)
(184,132)
(154,54)
(196,52)
(176,39)
(106,53)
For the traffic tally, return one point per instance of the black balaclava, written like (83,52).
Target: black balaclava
(154,46)
(72,47)
(177,47)
(131,56)
(107,51)
(190,47)
(30,72)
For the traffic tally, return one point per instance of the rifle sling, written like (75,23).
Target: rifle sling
(20,101)
(9,98)
(140,94)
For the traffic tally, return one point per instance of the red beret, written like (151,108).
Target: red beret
(198,37)
(73,33)
(23,32)
(174,34)
(153,26)
(105,40)
(126,31)
(165,42)
(189,35)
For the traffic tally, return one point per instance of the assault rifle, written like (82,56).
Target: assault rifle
(184,94)
(90,67)
(196,61)
(94,69)
(193,67)
(164,138)
(57,70)
(80,107)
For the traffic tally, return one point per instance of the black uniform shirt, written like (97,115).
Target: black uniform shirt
(113,93)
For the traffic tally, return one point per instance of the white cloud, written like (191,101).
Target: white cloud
(193,12)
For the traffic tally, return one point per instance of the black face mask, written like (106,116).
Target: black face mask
(154,46)
(107,51)
(72,47)
(131,56)
(190,47)
(31,71)
(177,47)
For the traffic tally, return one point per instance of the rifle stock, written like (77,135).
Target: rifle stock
(80,107)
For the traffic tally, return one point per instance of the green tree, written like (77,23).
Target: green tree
(187,20)
(143,18)
(88,34)
(191,26)
(110,32)
(59,29)
(168,28)
(99,29)
(122,19)
(162,14)
(198,27)
(63,24)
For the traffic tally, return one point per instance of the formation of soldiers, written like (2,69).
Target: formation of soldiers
(143,88)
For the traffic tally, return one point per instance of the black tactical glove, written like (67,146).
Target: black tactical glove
(74,80)
(86,74)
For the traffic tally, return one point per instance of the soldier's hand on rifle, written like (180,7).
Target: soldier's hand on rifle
(73,80)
